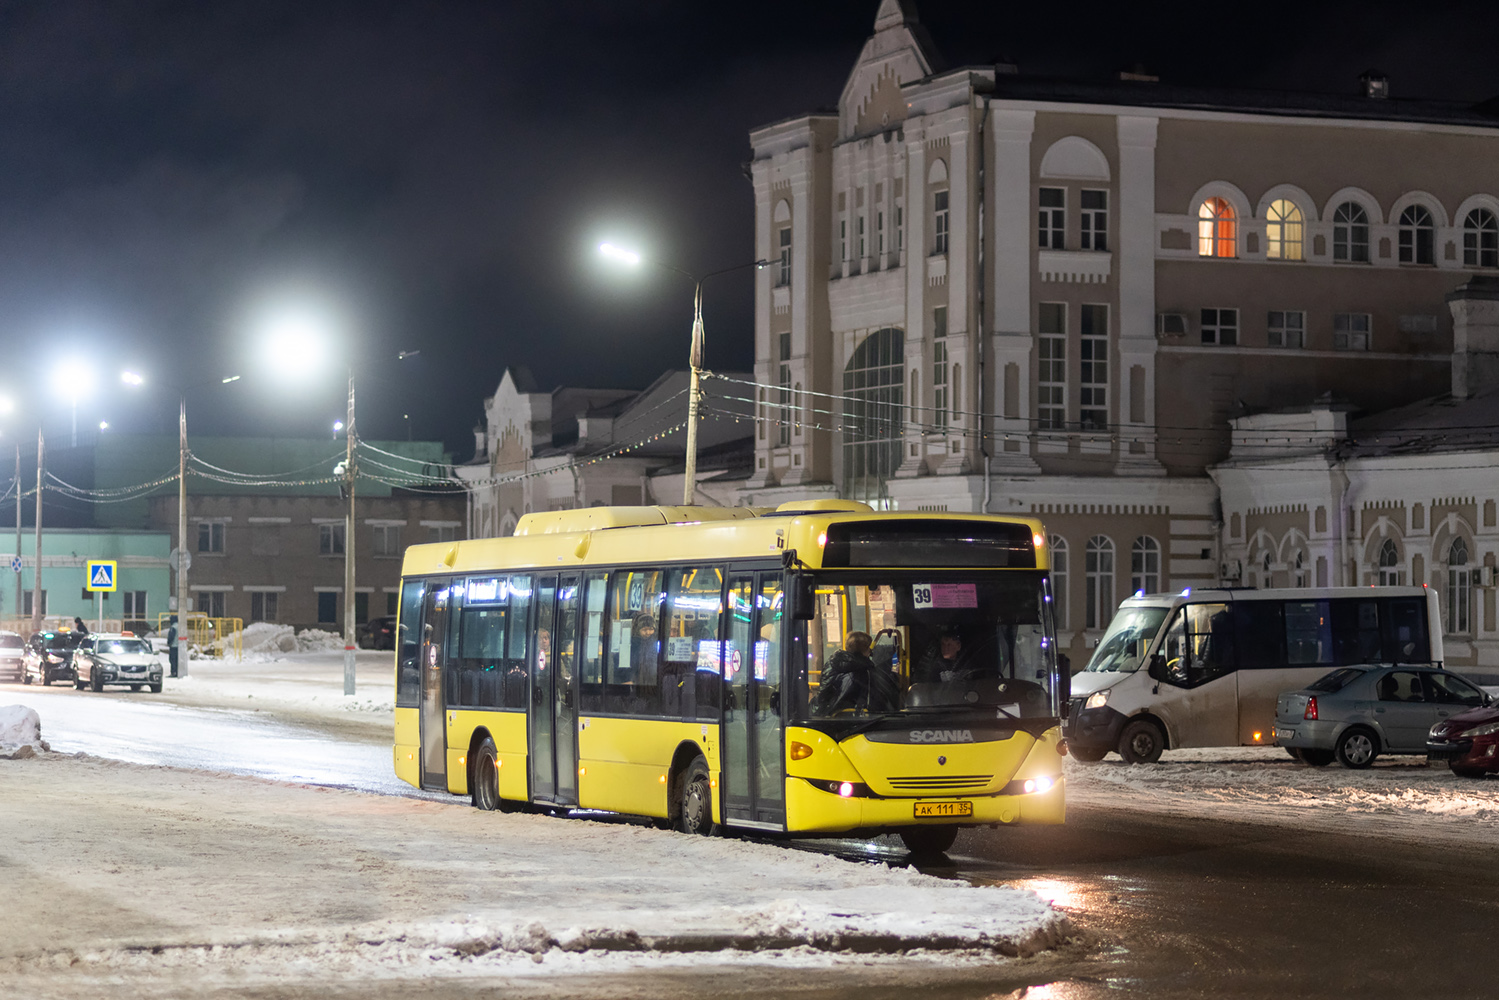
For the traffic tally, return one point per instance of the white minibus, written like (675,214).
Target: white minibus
(1202,668)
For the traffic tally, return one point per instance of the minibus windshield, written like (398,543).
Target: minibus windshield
(1123,646)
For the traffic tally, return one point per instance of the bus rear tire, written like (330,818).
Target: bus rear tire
(926,841)
(1141,742)
(695,814)
(484,787)
(1087,755)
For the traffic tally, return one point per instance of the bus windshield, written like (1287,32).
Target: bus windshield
(911,644)
(1123,646)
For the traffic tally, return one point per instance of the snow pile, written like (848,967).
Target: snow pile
(1400,794)
(20,732)
(311,640)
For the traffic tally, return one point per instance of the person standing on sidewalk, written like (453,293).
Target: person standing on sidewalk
(172,644)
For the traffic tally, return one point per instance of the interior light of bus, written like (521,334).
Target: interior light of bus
(846,789)
(1311,708)
(800,751)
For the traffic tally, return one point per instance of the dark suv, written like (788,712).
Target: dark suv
(49,656)
(378,633)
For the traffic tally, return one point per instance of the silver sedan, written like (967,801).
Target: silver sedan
(1354,714)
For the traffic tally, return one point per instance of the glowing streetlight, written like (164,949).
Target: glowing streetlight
(131,378)
(104,425)
(695,355)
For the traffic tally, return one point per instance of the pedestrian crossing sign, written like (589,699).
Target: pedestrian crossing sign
(102,575)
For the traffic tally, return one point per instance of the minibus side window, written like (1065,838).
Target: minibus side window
(1355,631)
(1405,631)
(1261,633)
(1199,644)
(1308,633)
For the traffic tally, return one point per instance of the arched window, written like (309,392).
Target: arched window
(1480,239)
(1098,568)
(1417,236)
(1283,239)
(1059,580)
(872,387)
(1298,573)
(1217,229)
(1350,233)
(1389,564)
(1459,589)
(1145,565)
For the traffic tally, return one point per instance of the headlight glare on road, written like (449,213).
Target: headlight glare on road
(1487,729)
(1098,699)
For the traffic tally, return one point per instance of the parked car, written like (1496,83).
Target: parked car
(1468,741)
(378,633)
(12,656)
(49,656)
(1354,714)
(115,658)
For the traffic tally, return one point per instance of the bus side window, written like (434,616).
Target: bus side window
(1405,631)
(591,689)
(1308,633)
(631,662)
(516,673)
(1199,644)
(1355,631)
(691,668)
(1260,634)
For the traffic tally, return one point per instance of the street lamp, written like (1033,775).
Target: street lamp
(631,258)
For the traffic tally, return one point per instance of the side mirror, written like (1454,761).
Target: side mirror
(803,598)
(1064,681)
(1157,667)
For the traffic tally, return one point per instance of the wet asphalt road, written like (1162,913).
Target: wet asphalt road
(1163,906)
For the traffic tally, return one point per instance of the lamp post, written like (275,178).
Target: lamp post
(349,473)
(695,353)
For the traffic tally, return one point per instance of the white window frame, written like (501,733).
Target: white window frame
(1051,371)
(1145,565)
(1219,325)
(1480,239)
(1352,331)
(1350,233)
(1059,581)
(1051,220)
(783,271)
(1286,328)
(1418,236)
(1284,230)
(331,540)
(1094,220)
(941,200)
(1098,570)
(1093,368)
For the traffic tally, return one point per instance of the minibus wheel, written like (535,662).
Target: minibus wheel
(1141,742)
(484,788)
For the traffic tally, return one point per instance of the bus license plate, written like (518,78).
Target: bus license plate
(930,809)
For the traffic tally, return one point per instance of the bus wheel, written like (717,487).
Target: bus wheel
(1141,742)
(697,799)
(1357,748)
(929,840)
(1086,755)
(485,786)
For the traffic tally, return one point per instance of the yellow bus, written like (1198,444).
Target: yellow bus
(818,669)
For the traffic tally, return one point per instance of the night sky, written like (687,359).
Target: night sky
(437,175)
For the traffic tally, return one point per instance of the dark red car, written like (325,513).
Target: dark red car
(1468,741)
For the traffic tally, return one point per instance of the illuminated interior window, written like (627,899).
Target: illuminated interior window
(1217,229)
(1283,228)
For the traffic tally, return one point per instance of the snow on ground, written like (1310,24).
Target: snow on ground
(20,732)
(1398,796)
(227,879)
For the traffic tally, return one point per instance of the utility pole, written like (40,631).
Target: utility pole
(36,572)
(20,608)
(349,473)
(182,557)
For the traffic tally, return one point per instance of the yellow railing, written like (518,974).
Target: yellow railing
(220,637)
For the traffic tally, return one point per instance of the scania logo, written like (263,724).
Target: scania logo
(941,736)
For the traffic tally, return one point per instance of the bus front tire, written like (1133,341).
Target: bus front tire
(1141,742)
(1087,755)
(485,784)
(929,840)
(1357,748)
(695,814)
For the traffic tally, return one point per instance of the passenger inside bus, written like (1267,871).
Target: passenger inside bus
(852,681)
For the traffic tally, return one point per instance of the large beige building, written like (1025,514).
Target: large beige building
(1002,293)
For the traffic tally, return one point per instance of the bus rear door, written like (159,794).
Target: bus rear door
(433,713)
(553,714)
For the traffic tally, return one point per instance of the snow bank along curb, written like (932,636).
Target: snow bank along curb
(20,732)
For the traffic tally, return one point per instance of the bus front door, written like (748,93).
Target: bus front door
(433,714)
(753,773)
(553,717)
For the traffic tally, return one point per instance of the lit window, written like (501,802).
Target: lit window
(1051,225)
(1417,236)
(1350,233)
(1220,326)
(1217,229)
(1350,331)
(1283,231)
(1287,328)
(1480,239)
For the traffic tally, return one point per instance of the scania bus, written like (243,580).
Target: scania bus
(688,664)
(1203,668)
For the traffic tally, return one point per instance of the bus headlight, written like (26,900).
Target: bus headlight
(1041,784)
(1098,699)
